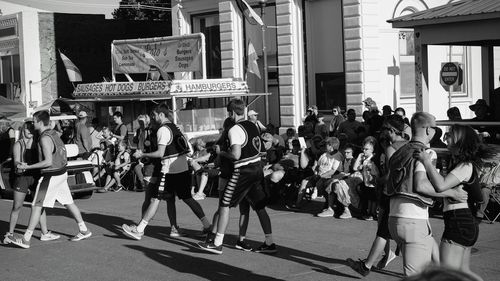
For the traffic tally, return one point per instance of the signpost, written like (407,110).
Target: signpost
(450,75)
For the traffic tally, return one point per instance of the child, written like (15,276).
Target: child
(365,164)
(199,158)
(120,166)
(326,166)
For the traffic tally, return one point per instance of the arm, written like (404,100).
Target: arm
(203,158)
(330,173)
(357,165)
(423,186)
(47,148)
(440,184)
(234,154)
(126,157)
(304,159)
(155,154)
(16,150)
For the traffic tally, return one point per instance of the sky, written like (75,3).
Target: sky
(105,7)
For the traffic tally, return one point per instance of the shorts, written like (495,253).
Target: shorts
(460,227)
(245,183)
(173,184)
(51,189)
(368,193)
(23,183)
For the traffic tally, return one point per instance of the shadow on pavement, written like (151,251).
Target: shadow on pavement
(202,267)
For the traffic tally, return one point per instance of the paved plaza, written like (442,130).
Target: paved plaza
(310,248)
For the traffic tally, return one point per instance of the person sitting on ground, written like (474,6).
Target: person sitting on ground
(198,163)
(335,122)
(325,168)
(270,128)
(351,128)
(252,116)
(120,166)
(288,138)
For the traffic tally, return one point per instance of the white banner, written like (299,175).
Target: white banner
(121,88)
(171,54)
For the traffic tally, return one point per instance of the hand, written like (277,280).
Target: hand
(460,194)
(485,134)
(22,166)
(138,154)
(217,149)
(422,155)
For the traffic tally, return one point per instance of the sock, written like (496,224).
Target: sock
(269,239)
(28,234)
(82,227)
(241,238)
(205,222)
(142,225)
(218,239)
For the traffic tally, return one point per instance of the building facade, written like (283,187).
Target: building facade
(331,52)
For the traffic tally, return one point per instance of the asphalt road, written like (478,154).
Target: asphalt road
(310,248)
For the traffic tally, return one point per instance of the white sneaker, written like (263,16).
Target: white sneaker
(314,195)
(199,197)
(81,236)
(346,214)
(49,236)
(6,240)
(131,231)
(175,232)
(327,213)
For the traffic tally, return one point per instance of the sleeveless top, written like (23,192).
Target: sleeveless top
(59,158)
(251,149)
(178,144)
(28,155)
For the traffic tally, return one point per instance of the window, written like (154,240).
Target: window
(407,64)
(459,54)
(208,24)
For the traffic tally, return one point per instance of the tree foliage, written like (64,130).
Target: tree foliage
(126,12)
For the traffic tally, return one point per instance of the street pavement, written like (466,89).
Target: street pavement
(310,248)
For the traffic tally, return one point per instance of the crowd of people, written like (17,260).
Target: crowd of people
(383,169)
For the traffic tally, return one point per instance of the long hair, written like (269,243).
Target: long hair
(466,146)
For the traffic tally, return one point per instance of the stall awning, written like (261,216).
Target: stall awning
(8,107)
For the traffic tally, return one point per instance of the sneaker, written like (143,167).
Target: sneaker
(19,241)
(49,236)
(267,249)
(242,245)
(359,267)
(386,259)
(326,213)
(102,190)
(206,231)
(210,238)
(131,231)
(6,238)
(118,188)
(368,218)
(81,236)
(346,214)
(175,232)
(199,197)
(210,247)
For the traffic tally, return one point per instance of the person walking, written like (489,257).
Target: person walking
(53,185)
(174,178)
(25,152)
(461,229)
(246,179)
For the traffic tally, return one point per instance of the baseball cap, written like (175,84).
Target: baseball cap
(252,112)
(82,114)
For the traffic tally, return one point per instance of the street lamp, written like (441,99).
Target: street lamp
(263,4)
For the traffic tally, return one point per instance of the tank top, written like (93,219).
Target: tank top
(251,149)
(59,158)
(28,155)
(178,145)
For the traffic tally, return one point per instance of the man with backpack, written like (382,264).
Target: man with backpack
(410,194)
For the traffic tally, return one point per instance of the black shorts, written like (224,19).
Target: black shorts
(368,193)
(173,184)
(245,183)
(383,218)
(460,227)
(23,183)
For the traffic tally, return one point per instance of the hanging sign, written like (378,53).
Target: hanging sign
(170,54)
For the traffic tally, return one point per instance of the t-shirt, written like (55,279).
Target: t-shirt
(172,165)
(463,172)
(237,136)
(327,162)
(404,207)
(83,140)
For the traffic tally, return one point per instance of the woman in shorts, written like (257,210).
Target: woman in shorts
(24,151)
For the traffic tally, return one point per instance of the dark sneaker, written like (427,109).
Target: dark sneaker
(210,247)
(267,249)
(359,267)
(242,245)
(19,241)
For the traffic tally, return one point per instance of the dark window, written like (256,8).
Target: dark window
(4,32)
(330,90)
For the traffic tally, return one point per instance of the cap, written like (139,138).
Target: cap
(252,112)
(82,114)
(479,103)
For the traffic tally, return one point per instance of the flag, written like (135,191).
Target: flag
(253,66)
(73,72)
(251,13)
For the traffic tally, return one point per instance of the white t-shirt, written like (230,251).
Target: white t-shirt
(463,172)
(327,162)
(403,207)
(172,165)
